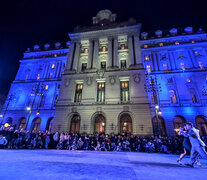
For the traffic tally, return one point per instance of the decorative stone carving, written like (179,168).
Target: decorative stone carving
(67,82)
(188,30)
(112,80)
(36,47)
(173,31)
(158,33)
(89,80)
(136,78)
(46,46)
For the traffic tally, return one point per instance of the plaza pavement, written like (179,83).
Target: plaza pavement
(90,165)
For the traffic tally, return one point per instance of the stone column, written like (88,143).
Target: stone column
(95,55)
(70,56)
(90,54)
(76,57)
(109,52)
(130,51)
(115,53)
(138,57)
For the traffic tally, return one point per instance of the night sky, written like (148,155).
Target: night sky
(24,23)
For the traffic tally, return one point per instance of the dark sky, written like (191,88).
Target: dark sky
(24,23)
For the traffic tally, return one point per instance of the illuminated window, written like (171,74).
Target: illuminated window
(86,50)
(84,66)
(103,65)
(38,76)
(193,41)
(122,46)
(46,87)
(55,55)
(124,91)
(182,66)
(26,78)
(201,65)
(176,43)
(188,80)
(101,92)
(161,44)
(78,92)
(103,48)
(193,96)
(165,67)
(145,46)
(123,64)
(50,75)
(147,58)
(173,97)
(148,68)
(197,53)
(53,66)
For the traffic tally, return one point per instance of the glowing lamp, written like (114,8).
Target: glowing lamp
(1,115)
(28,108)
(6,125)
(156,107)
(159,112)
(38,113)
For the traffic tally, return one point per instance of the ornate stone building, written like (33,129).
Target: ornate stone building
(112,78)
(102,86)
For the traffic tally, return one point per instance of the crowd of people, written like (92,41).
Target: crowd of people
(21,139)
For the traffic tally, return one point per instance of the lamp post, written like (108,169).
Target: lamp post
(152,86)
(10,98)
(37,90)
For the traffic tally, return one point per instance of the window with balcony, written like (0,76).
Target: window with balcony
(173,97)
(78,92)
(193,96)
(104,49)
(123,46)
(165,67)
(38,76)
(148,67)
(101,92)
(124,91)
(84,66)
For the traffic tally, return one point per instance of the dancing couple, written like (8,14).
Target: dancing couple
(192,143)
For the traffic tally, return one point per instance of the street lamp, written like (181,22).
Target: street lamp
(10,98)
(152,86)
(37,90)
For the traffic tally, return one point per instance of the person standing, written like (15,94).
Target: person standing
(197,145)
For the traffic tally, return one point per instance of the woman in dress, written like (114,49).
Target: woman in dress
(186,149)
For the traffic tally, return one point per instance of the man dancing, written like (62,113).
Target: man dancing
(198,146)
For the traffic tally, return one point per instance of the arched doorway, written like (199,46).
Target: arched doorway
(201,124)
(36,124)
(178,122)
(100,123)
(125,123)
(22,123)
(159,127)
(49,124)
(75,124)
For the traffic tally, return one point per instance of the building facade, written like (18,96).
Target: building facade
(112,78)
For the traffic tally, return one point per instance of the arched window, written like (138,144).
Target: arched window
(22,123)
(100,124)
(75,124)
(201,123)
(173,97)
(49,124)
(125,123)
(178,122)
(159,127)
(36,124)
(193,96)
